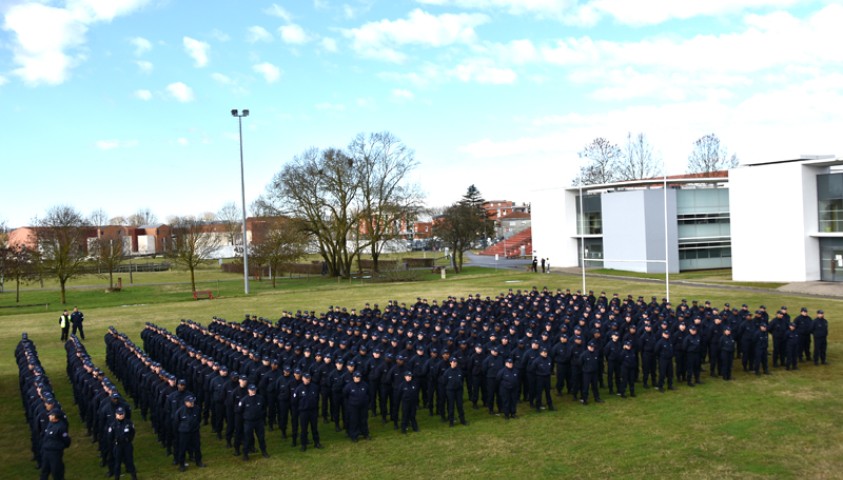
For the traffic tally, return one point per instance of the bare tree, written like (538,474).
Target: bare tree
(109,254)
(61,239)
(386,198)
(98,219)
(17,263)
(4,233)
(143,216)
(321,188)
(232,219)
(191,244)
(284,240)
(602,156)
(118,220)
(709,155)
(637,161)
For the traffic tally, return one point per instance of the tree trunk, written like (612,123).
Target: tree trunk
(17,290)
(192,278)
(62,282)
(111,279)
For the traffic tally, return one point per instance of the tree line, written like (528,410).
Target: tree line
(607,162)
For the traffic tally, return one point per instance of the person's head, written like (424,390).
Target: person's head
(54,415)
(253,390)
(306,378)
(189,401)
(120,413)
(357,377)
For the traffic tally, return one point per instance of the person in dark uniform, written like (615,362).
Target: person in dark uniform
(778,329)
(64,323)
(762,339)
(76,319)
(253,409)
(803,326)
(491,366)
(306,403)
(408,398)
(792,345)
(454,391)
(356,397)
(647,342)
(613,351)
(54,440)
(188,420)
(284,394)
(693,350)
(121,433)
(664,352)
(508,384)
(629,368)
(727,353)
(590,369)
(543,367)
(819,329)
(561,354)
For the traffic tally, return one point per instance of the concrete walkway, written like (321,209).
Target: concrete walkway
(831,290)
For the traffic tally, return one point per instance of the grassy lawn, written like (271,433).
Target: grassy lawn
(720,276)
(786,425)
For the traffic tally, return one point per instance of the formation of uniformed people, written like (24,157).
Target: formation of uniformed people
(48,425)
(345,366)
(99,402)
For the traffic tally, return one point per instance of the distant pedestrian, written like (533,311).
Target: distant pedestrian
(64,323)
(76,319)
(543,264)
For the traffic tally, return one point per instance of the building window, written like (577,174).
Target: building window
(591,216)
(830,202)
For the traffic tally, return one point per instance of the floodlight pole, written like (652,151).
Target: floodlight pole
(240,115)
(582,239)
(666,246)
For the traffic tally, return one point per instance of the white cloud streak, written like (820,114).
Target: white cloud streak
(180,92)
(197,50)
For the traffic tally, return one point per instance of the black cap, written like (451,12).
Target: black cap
(252,386)
(120,411)
(190,399)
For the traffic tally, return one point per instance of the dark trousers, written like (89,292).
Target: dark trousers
(760,362)
(271,410)
(283,416)
(441,402)
(188,442)
(52,464)
(229,424)
(613,373)
(590,380)
(474,389)
(491,394)
(509,401)
(714,360)
(250,430)
(576,380)
(358,421)
(309,422)
(726,361)
(64,332)
(665,372)
(218,417)
(408,415)
(542,386)
(563,377)
(627,380)
(325,398)
(80,329)
(648,366)
(792,356)
(693,371)
(455,402)
(820,346)
(336,408)
(238,432)
(681,364)
(805,339)
(747,354)
(779,351)
(384,395)
(123,454)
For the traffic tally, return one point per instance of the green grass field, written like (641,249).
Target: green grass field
(787,425)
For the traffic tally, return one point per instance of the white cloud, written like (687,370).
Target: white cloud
(329,45)
(180,92)
(144,66)
(114,144)
(46,40)
(221,79)
(141,45)
(197,50)
(483,72)
(183,141)
(276,10)
(144,95)
(402,94)
(330,107)
(3,80)
(589,12)
(220,35)
(270,72)
(293,34)
(381,40)
(257,34)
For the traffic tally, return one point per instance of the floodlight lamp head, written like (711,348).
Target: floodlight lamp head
(246,112)
(233,112)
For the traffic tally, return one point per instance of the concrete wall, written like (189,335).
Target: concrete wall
(773,215)
(554,223)
(634,230)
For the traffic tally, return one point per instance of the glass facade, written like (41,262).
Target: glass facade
(592,219)
(593,252)
(831,259)
(830,202)
(704,231)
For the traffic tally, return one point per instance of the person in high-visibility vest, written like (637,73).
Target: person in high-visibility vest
(64,323)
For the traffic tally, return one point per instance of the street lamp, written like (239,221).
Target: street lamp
(240,114)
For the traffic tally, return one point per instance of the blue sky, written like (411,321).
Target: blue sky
(124,105)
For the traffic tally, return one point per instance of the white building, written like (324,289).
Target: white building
(775,222)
